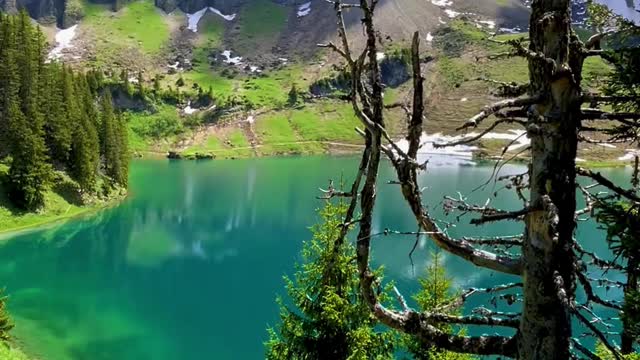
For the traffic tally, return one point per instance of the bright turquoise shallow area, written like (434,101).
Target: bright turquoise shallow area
(189,266)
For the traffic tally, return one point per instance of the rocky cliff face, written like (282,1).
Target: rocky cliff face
(43,10)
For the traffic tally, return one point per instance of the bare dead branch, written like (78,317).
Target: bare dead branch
(401,299)
(602,180)
(510,89)
(597,114)
(470,139)
(507,241)
(602,337)
(420,326)
(472,291)
(492,109)
(591,295)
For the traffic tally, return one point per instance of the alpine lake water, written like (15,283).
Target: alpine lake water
(190,265)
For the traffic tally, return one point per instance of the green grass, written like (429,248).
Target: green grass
(204,76)
(453,71)
(160,128)
(57,208)
(326,122)
(259,27)
(211,145)
(276,135)
(139,24)
(272,89)
(211,30)
(227,143)
(595,164)
(10,353)
(263,19)
(237,138)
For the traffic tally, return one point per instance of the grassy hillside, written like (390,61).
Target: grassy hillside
(10,353)
(60,203)
(133,37)
(141,37)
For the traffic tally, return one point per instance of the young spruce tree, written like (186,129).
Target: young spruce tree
(436,293)
(327,319)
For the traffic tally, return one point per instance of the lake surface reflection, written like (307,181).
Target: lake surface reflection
(189,266)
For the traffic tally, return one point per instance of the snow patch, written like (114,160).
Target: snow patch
(189,110)
(489,23)
(451,13)
(218,12)
(518,136)
(231,60)
(460,154)
(63,41)
(429,37)
(630,155)
(457,155)
(194,19)
(515,30)
(442,3)
(304,9)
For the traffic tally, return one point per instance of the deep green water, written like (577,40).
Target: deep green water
(189,266)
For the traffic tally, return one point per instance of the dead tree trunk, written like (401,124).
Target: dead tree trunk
(545,329)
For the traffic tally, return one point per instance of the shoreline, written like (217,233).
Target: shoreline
(156,155)
(477,156)
(59,220)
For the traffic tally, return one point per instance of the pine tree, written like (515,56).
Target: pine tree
(29,172)
(48,117)
(329,321)
(113,143)
(140,85)
(85,147)
(61,113)
(126,84)
(156,85)
(436,293)
(122,134)
(293,95)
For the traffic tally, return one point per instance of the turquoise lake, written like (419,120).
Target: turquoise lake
(188,267)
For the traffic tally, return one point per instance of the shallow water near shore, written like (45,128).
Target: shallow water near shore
(189,266)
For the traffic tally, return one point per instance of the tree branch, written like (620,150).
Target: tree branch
(600,179)
(492,109)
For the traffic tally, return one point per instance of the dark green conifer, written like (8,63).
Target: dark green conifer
(140,85)
(156,84)
(112,136)
(85,148)
(326,318)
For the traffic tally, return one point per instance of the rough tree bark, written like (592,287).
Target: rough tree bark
(545,329)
